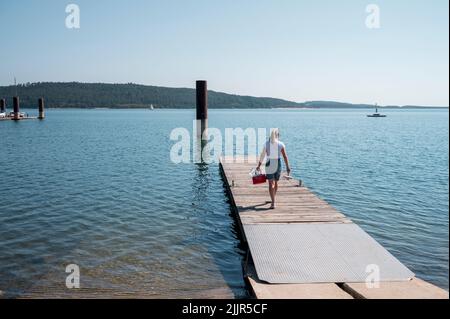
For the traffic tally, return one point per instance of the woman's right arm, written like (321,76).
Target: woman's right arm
(286,160)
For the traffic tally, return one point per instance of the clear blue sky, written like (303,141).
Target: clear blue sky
(292,49)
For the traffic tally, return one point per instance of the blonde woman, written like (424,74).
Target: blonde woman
(273,150)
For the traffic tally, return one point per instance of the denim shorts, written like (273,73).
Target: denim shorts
(273,169)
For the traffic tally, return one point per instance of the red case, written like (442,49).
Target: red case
(259,179)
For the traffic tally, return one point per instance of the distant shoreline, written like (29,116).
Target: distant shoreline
(72,95)
(245,109)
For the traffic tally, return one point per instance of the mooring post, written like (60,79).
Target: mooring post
(16,110)
(202,108)
(41,109)
(2,106)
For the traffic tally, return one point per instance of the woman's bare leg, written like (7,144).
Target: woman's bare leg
(271,192)
(274,191)
(275,188)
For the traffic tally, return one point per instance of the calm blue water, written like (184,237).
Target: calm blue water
(96,188)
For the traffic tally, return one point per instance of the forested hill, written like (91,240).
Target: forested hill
(99,95)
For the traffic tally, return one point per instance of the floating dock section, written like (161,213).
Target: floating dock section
(306,249)
(16,115)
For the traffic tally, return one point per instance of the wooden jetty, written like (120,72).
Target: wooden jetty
(16,115)
(299,209)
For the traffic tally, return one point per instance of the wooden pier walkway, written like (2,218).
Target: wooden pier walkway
(306,249)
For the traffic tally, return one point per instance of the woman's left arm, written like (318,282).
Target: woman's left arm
(286,160)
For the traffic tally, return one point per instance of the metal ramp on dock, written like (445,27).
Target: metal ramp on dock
(320,253)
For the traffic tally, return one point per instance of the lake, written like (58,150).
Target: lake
(96,188)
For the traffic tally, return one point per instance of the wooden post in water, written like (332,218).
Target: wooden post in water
(41,115)
(2,106)
(202,108)
(16,110)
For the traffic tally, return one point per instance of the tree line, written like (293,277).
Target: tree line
(130,95)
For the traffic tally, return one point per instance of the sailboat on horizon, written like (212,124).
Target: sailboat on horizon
(376,114)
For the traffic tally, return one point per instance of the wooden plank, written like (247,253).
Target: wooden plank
(263,290)
(264,193)
(297,291)
(413,289)
(296,204)
(290,213)
(264,196)
(285,206)
(287,191)
(290,217)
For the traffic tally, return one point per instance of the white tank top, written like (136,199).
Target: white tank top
(273,150)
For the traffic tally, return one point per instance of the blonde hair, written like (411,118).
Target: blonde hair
(274,135)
